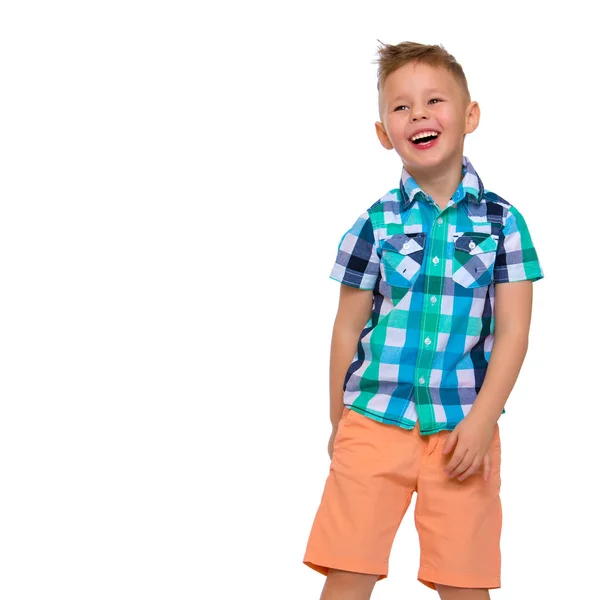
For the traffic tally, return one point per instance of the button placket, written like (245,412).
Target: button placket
(433,289)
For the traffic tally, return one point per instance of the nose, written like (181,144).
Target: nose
(418,112)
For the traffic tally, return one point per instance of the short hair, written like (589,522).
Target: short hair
(392,57)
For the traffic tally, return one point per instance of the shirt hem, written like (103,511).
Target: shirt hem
(405,423)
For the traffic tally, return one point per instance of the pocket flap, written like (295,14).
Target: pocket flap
(476,243)
(405,243)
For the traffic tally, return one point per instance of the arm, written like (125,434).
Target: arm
(513,302)
(513,314)
(354,310)
(516,268)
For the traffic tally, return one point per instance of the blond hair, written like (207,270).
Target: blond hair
(392,57)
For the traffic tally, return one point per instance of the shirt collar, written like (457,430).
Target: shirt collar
(470,188)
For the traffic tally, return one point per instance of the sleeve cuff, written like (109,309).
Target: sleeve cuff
(354,279)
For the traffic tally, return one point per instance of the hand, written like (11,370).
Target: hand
(473,437)
(331,440)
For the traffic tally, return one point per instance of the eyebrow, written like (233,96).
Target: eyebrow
(428,91)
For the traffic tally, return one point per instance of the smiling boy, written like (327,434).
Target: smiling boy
(430,335)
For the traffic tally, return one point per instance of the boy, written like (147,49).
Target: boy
(435,274)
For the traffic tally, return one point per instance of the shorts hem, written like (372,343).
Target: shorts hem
(429,577)
(323,566)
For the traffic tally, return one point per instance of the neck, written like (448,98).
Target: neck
(440,183)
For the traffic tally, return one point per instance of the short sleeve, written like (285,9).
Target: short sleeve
(516,258)
(357,261)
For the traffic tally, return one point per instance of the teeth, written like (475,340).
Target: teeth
(424,134)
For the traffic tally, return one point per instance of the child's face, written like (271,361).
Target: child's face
(418,97)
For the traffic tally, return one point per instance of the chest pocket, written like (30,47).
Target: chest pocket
(402,258)
(473,259)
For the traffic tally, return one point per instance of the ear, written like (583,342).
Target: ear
(472,117)
(383,136)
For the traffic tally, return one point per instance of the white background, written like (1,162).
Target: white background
(175,178)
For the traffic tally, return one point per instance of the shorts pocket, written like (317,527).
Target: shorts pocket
(341,424)
(473,259)
(402,258)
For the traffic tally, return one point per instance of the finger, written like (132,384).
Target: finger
(457,459)
(471,470)
(450,441)
(462,466)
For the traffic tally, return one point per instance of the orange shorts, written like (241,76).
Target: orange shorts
(374,471)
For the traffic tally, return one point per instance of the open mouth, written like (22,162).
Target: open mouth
(427,137)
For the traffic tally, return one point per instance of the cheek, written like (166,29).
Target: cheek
(451,121)
(396,126)
(397,132)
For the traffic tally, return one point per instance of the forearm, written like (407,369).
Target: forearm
(344,342)
(506,359)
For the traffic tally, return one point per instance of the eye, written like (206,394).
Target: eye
(401,106)
(437,100)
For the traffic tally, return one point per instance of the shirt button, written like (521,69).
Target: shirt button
(435,260)
(421,380)
(440,220)
(471,245)
(433,299)
(405,245)
(427,341)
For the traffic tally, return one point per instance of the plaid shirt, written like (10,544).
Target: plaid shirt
(424,351)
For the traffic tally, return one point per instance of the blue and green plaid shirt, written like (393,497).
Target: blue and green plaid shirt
(424,351)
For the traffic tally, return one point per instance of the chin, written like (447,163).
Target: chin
(425,161)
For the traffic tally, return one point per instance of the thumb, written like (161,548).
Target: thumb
(450,442)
